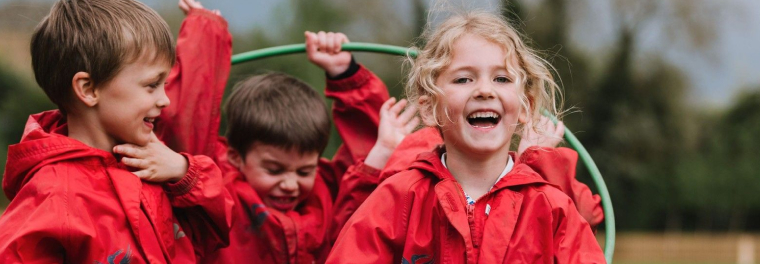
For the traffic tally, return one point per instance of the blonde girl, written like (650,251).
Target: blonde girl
(470,200)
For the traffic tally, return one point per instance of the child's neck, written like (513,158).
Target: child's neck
(89,132)
(476,173)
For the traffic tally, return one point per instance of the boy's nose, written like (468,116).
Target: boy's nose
(163,100)
(289,185)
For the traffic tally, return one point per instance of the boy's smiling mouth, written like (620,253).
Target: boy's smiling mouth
(283,203)
(483,119)
(149,121)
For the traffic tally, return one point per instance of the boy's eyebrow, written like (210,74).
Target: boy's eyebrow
(273,162)
(307,167)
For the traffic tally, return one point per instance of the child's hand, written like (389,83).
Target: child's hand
(156,162)
(190,5)
(394,126)
(551,137)
(323,49)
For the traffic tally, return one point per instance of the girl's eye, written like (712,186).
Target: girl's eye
(462,80)
(502,79)
(153,85)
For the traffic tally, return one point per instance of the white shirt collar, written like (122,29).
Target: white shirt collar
(507,169)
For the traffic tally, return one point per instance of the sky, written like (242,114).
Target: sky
(730,63)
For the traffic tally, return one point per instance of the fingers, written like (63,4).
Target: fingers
(408,114)
(559,131)
(322,36)
(183,6)
(217,12)
(327,42)
(409,127)
(187,5)
(312,43)
(129,150)
(330,45)
(385,108)
(145,174)
(396,108)
(194,4)
(342,37)
(135,163)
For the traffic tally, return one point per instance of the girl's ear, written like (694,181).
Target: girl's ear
(426,111)
(234,157)
(84,90)
(524,116)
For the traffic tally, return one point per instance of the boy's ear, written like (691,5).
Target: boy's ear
(234,157)
(426,111)
(84,90)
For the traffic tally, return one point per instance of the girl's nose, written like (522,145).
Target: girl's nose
(484,90)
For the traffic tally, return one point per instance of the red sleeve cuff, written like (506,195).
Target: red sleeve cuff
(366,170)
(187,183)
(357,80)
(533,153)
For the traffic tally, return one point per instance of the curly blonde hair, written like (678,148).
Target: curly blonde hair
(532,73)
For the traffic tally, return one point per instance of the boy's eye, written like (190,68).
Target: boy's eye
(462,80)
(304,173)
(275,171)
(502,79)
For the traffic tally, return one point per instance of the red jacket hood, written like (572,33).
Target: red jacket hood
(44,142)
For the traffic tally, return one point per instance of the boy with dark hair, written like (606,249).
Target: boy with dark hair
(277,128)
(104,63)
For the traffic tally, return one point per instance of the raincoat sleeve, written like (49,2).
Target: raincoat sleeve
(376,230)
(40,225)
(51,221)
(357,184)
(356,113)
(574,242)
(557,166)
(202,205)
(196,84)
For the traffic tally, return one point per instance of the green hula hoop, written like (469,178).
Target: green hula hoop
(596,175)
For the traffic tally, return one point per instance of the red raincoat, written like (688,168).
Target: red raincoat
(71,203)
(420,216)
(557,166)
(261,235)
(75,204)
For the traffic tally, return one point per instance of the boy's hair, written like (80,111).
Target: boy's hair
(279,110)
(531,72)
(98,37)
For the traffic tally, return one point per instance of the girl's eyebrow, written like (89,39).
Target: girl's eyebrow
(462,68)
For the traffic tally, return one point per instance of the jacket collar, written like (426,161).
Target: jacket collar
(521,174)
(44,142)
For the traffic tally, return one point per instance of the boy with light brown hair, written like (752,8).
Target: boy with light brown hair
(90,182)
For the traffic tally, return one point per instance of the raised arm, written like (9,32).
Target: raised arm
(357,97)
(558,166)
(196,83)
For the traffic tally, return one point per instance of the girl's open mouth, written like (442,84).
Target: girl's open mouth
(483,119)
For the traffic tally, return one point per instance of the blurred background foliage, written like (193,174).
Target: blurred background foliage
(670,164)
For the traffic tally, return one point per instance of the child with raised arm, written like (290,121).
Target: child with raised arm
(90,182)
(470,201)
(277,128)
